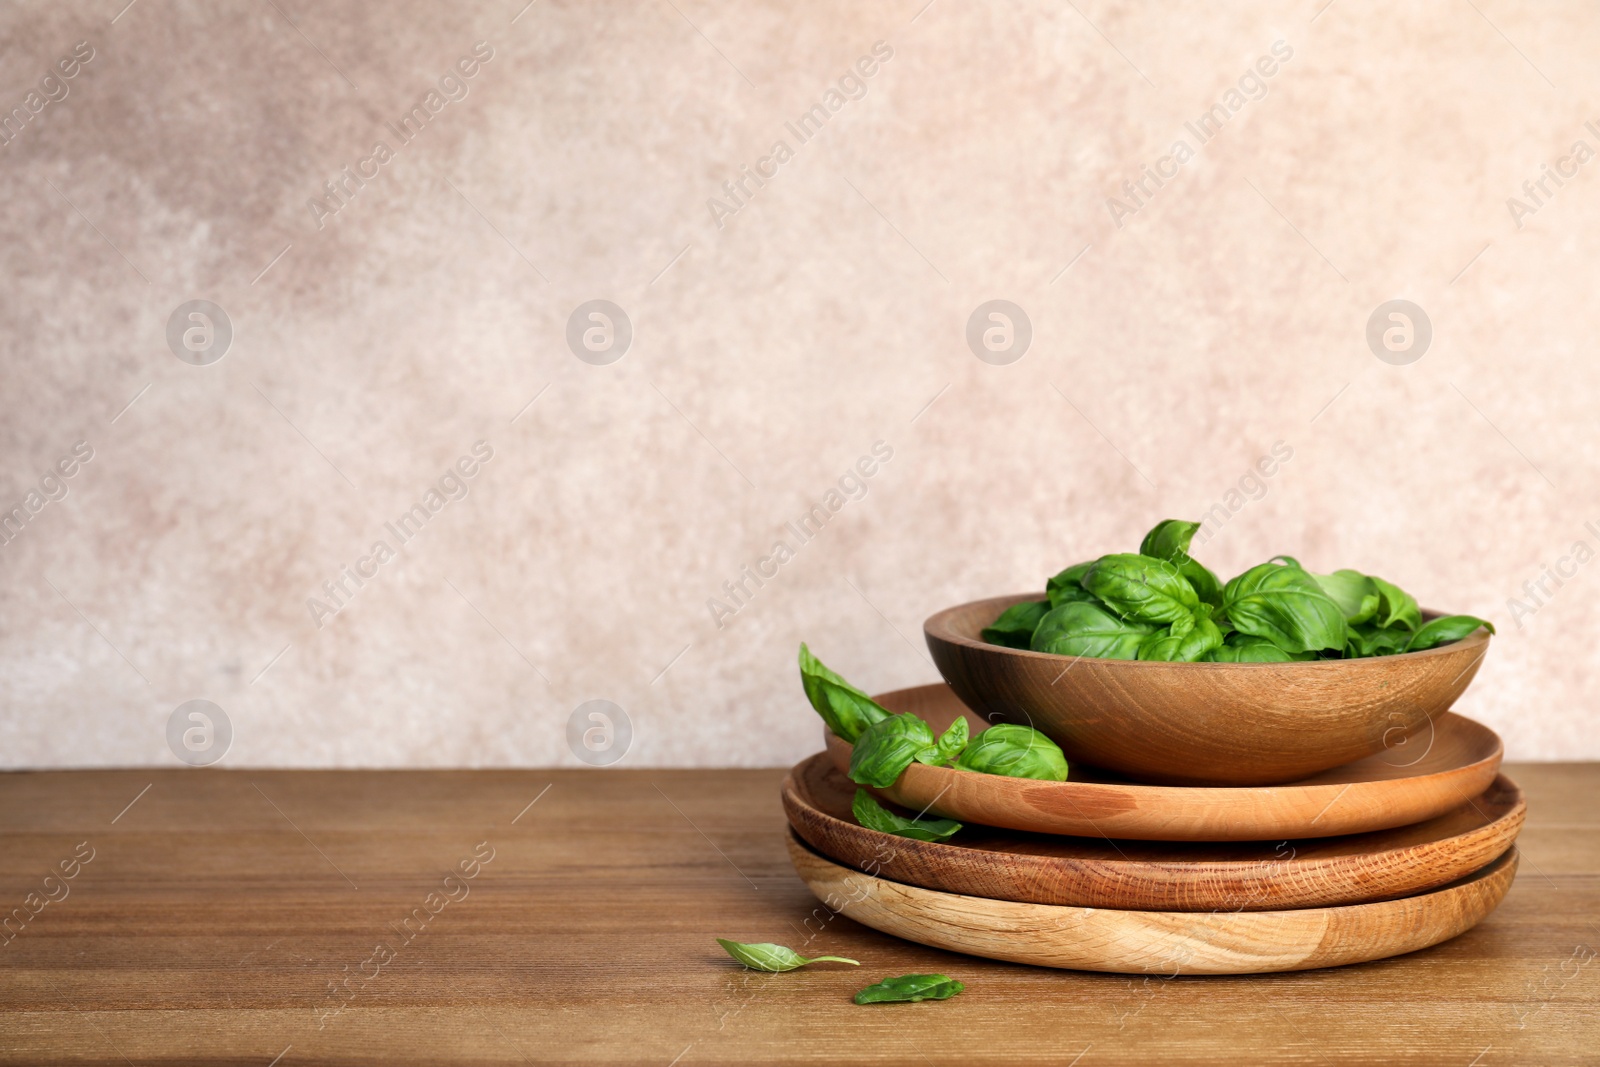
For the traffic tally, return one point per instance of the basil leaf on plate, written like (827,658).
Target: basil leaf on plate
(847,710)
(1081,629)
(1014,628)
(1285,605)
(1245,648)
(1190,647)
(1169,540)
(1396,607)
(875,816)
(1446,628)
(949,745)
(1355,593)
(1014,751)
(887,747)
(910,988)
(1067,586)
(1141,588)
(775,958)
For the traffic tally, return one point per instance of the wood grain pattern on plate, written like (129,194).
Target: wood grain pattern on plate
(981,861)
(1424,775)
(1164,943)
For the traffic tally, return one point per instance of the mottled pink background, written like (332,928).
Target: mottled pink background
(769,353)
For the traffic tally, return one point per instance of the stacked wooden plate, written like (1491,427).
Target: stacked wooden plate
(1382,856)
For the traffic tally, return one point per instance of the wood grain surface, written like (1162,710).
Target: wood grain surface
(1167,943)
(1423,776)
(214,917)
(1186,876)
(1200,723)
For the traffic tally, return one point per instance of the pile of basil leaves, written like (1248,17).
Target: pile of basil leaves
(885,744)
(1162,604)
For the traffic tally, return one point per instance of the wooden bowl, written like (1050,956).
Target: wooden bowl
(1200,723)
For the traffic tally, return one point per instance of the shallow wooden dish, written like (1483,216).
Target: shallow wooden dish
(1093,872)
(1166,943)
(1200,723)
(1423,776)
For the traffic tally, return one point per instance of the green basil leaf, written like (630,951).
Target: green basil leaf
(875,816)
(1396,607)
(847,710)
(1067,586)
(949,745)
(1370,639)
(887,747)
(1189,647)
(1141,588)
(1014,628)
(1080,629)
(1355,593)
(1244,648)
(1014,751)
(910,987)
(775,958)
(1446,628)
(1169,540)
(1285,605)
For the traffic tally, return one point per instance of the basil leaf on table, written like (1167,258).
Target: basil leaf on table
(1190,647)
(1141,588)
(1067,586)
(1396,607)
(949,745)
(909,988)
(1355,593)
(875,816)
(774,958)
(1285,605)
(887,747)
(1015,751)
(1245,648)
(847,710)
(1081,629)
(1443,630)
(1014,628)
(1169,540)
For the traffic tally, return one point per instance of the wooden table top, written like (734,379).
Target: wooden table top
(231,917)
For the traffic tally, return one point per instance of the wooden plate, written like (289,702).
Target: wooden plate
(1094,872)
(1156,942)
(1425,775)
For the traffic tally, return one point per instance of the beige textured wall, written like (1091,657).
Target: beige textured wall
(768,353)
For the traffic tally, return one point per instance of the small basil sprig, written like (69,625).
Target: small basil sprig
(875,816)
(1016,624)
(847,710)
(910,988)
(887,747)
(1015,751)
(774,958)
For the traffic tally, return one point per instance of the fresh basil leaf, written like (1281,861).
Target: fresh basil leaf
(1288,561)
(1370,639)
(875,816)
(910,987)
(887,747)
(1285,605)
(1014,628)
(1189,647)
(1141,588)
(1396,607)
(1446,628)
(949,745)
(1015,751)
(1067,586)
(1080,629)
(847,710)
(1355,593)
(1245,648)
(775,958)
(1169,540)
